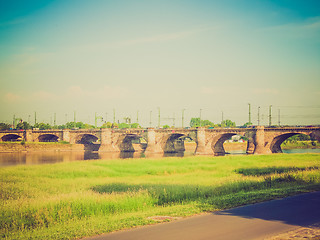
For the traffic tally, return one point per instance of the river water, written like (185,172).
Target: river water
(30,158)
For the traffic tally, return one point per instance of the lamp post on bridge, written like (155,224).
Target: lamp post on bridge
(183,117)
(249,113)
(138,116)
(158,117)
(74,119)
(270,109)
(96,119)
(150,118)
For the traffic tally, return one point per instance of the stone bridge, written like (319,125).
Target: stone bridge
(261,140)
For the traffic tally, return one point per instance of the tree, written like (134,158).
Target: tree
(4,126)
(207,123)
(43,126)
(88,126)
(135,125)
(70,125)
(247,124)
(228,123)
(195,122)
(166,126)
(107,125)
(124,125)
(80,125)
(23,125)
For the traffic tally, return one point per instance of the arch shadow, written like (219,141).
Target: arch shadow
(11,138)
(86,139)
(174,143)
(275,145)
(218,141)
(130,143)
(48,138)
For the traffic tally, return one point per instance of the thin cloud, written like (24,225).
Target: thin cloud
(142,40)
(207,90)
(12,97)
(305,29)
(164,37)
(73,93)
(104,92)
(268,91)
(44,96)
(157,38)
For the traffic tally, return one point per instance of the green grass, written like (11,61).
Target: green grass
(85,198)
(300,144)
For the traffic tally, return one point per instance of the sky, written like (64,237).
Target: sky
(76,58)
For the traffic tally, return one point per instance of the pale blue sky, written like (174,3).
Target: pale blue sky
(94,56)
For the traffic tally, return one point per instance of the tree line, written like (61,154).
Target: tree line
(69,125)
(194,122)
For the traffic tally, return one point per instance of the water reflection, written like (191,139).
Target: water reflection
(30,158)
(307,150)
(298,150)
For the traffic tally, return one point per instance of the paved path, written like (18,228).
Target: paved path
(257,221)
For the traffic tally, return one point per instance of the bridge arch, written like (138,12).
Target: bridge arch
(125,142)
(48,138)
(218,141)
(86,139)
(275,145)
(174,142)
(11,138)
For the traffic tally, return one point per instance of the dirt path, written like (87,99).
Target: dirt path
(291,217)
(309,232)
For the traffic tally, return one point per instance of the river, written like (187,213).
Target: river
(31,158)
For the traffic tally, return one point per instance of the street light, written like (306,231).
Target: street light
(137,116)
(158,117)
(96,119)
(249,113)
(183,117)
(221,117)
(270,108)
(150,118)
(200,116)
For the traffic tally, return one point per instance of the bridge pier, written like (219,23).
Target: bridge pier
(106,141)
(66,136)
(260,141)
(154,146)
(203,147)
(28,136)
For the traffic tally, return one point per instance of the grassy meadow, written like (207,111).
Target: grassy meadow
(85,198)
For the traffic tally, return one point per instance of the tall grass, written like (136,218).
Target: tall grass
(76,199)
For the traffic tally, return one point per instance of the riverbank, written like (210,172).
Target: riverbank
(39,146)
(300,145)
(189,146)
(85,198)
(242,146)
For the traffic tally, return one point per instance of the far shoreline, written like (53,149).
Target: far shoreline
(13,147)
